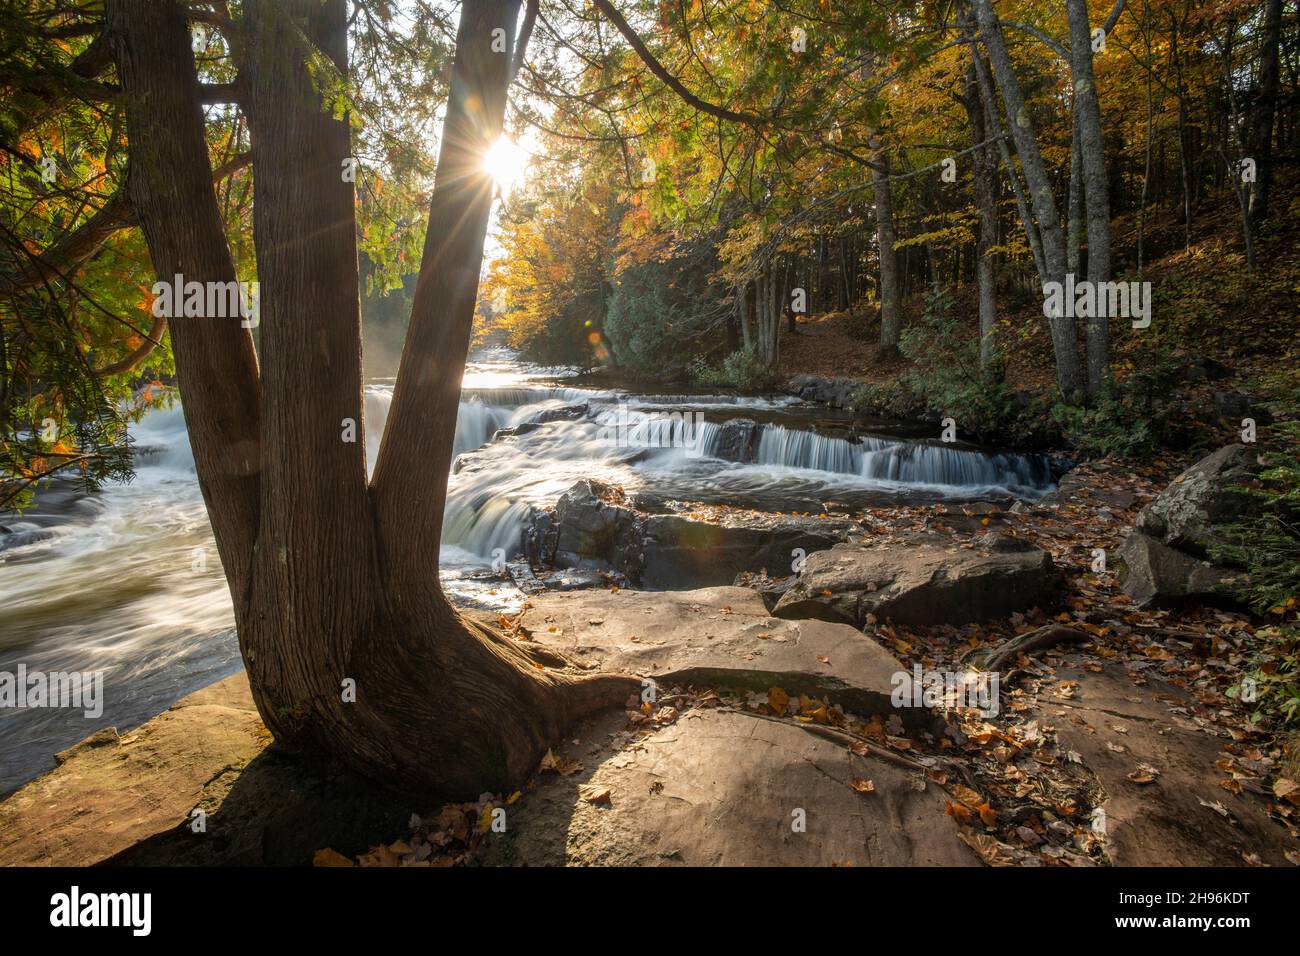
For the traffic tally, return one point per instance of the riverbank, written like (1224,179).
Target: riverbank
(1116,742)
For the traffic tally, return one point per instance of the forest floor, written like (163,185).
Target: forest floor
(1206,303)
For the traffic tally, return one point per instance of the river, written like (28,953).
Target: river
(126,582)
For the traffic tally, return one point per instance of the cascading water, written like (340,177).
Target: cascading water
(920,464)
(128,581)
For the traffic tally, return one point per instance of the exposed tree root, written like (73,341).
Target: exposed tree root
(1050,635)
(839,735)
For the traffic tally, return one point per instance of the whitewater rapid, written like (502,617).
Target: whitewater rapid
(127,582)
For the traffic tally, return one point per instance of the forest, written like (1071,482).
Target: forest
(516,433)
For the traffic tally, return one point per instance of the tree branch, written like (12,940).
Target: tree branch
(657,68)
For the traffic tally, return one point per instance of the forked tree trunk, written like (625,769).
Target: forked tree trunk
(335,580)
(988,100)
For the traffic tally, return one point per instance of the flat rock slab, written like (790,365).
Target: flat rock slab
(1172,821)
(721,788)
(719,637)
(110,792)
(128,800)
(927,580)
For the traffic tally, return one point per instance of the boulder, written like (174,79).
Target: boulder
(737,440)
(594,527)
(926,581)
(682,552)
(1156,575)
(1202,368)
(837,392)
(1184,514)
(1232,407)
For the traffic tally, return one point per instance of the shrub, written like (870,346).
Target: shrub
(1267,544)
(1131,418)
(1275,678)
(946,377)
(741,369)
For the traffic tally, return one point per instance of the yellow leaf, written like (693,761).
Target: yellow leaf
(778,700)
(328,857)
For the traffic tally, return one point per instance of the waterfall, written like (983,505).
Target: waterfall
(908,463)
(790,448)
(923,464)
(476,422)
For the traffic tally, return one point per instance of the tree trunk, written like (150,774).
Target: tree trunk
(742,315)
(989,102)
(170,187)
(985,177)
(1262,133)
(1075,217)
(1096,188)
(1069,374)
(890,311)
(334,581)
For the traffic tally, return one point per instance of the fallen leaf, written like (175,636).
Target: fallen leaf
(328,857)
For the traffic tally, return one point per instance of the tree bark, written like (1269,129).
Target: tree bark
(1069,374)
(1262,133)
(341,578)
(890,309)
(170,188)
(1096,190)
(985,181)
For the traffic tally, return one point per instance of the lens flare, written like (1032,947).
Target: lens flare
(505,163)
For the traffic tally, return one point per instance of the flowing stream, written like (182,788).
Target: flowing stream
(127,582)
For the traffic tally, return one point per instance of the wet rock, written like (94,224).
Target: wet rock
(737,440)
(837,392)
(522,574)
(575,579)
(929,581)
(682,552)
(11,539)
(593,528)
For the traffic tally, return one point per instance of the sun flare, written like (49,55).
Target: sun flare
(505,163)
